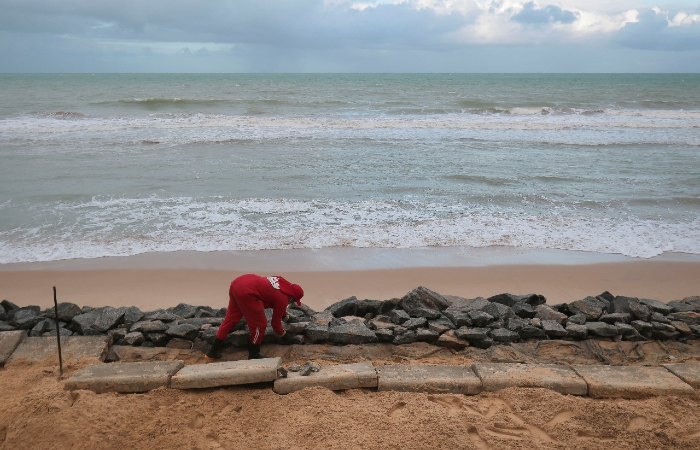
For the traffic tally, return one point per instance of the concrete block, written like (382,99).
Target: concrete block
(336,378)
(227,373)
(687,371)
(73,349)
(559,378)
(124,377)
(428,378)
(9,340)
(631,381)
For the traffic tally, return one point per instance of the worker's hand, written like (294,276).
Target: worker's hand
(285,318)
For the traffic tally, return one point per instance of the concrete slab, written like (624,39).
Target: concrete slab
(428,378)
(124,377)
(631,381)
(687,371)
(559,378)
(336,378)
(226,373)
(9,340)
(73,349)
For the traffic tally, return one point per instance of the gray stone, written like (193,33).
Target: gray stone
(415,323)
(108,318)
(544,312)
(184,331)
(148,326)
(429,314)
(515,325)
(472,334)
(631,305)
(439,326)
(25,319)
(337,377)
(354,307)
(498,311)
(459,319)
(3,314)
(74,349)
(601,329)
(423,297)
(66,311)
(424,335)
(305,371)
(656,317)
(207,311)
(524,310)
(682,327)
(128,377)
(296,328)
(428,378)
(228,373)
(117,333)
(313,365)
(484,344)
(642,327)
(385,335)
(9,340)
(511,300)
(481,318)
(575,331)
(467,305)
(161,315)
(39,328)
(82,322)
(450,340)
(663,327)
(408,337)
(624,329)
(443,321)
(656,306)
(559,378)
(578,319)
(553,329)
(134,338)
(503,335)
(631,381)
(530,332)
(63,332)
(351,333)
(4,326)
(689,372)
(399,316)
(677,306)
(132,315)
(689,317)
(184,311)
(316,332)
(616,317)
(591,307)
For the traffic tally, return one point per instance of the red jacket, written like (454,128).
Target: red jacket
(273,292)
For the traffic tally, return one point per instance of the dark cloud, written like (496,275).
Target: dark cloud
(652,32)
(532,14)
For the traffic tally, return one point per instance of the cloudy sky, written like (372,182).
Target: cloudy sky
(349,36)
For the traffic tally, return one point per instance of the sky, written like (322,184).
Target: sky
(505,36)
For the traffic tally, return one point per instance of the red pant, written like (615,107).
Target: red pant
(252,309)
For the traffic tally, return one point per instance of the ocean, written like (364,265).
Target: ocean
(96,165)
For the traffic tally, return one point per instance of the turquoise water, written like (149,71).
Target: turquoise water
(97,165)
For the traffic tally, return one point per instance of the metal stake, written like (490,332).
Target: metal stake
(58,331)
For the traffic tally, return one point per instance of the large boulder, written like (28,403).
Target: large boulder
(656,306)
(323,317)
(630,305)
(149,326)
(183,331)
(316,332)
(464,305)
(511,300)
(429,314)
(423,297)
(26,318)
(552,328)
(503,335)
(66,311)
(530,332)
(544,312)
(184,310)
(499,311)
(132,315)
(354,307)
(425,335)
(409,337)
(353,332)
(108,318)
(163,316)
(82,323)
(689,317)
(591,307)
(601,329)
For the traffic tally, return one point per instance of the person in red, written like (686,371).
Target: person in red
(249,295)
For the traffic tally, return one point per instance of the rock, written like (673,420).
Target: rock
(591,307)
(630,305)
(25,318)
(544,312)
(695,328)
(409,337)
(472,334)
(483,344)
(468,305)
(354,307)
(575,331)
(162,315)
(295,367)
(117,334)
(530,332)
(385,334)
(82,322)
(296,328)
(511,300)
(399,316)
(503,335)
(499,311)
(207,311)
(656,306)
(424,335)
(616,317)
(449,340)
(682,327)
(607,296)
(689,317)
(601,329)
(315,367)
(3,314)
(63,332)
(552,328)
(578,319)
(4,326)
(337,321)
(304,308)
(500,323)
(108,318)
(458,319)
(415,323)
(429,314)
(132,315)
(480,318)
(8,306)
(184,311)
(155,326)
(443,321)
(136,338)
(524,310)
(157,338)
(376,324)
(323,318)
(305,371)
(439,326)
(663,327)
(642,327)
(183,331)
(42,326)
(656,317)
(624,329)
(515,325)
(66,311)
(351,333)
(423,297)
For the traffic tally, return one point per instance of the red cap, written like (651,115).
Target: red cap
(298,293)
(293,290)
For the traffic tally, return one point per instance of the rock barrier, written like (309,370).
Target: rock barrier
(421,315)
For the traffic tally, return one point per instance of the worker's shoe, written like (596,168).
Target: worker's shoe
(215,350)
(254,352)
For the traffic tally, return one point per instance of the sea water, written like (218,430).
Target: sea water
(122,164)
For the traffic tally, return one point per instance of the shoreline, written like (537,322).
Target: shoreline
(162,280)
